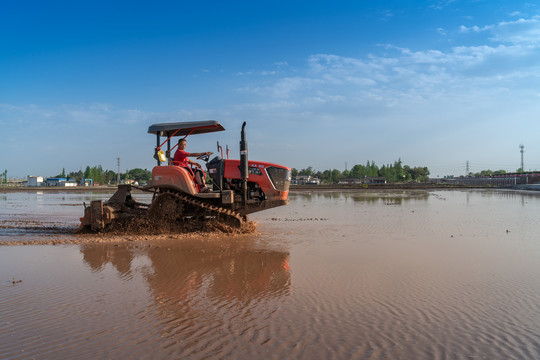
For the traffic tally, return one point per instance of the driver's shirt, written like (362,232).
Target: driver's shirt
(180,158)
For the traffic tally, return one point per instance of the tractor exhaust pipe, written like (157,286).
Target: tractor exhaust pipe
(244,173)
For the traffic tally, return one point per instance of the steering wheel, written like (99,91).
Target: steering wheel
(204,157)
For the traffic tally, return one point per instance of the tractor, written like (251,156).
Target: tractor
(238,187)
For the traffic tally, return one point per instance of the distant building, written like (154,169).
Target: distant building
(68,184)
(364,180)
(32,180)
(375,180)
(55,181)
(351,181)
(305,180)
(63,182)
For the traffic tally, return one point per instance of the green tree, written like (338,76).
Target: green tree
(420,174)
(87,174)
(139,175)
(335,176)
(76,175)
(358,171)
(306,172)
(110,177)
(373,170)
(326,176)
(407,173)
(400,174)
(62,174)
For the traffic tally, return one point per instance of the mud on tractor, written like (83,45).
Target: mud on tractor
(239,187)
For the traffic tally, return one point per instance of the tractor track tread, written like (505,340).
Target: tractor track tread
(203,207)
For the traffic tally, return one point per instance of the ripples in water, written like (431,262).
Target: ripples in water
(441,275)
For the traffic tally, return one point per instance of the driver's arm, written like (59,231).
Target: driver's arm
(200,154)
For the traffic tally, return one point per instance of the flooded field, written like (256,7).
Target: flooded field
(334,275)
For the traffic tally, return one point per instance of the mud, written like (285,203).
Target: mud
(169,225)
(135,230)
(148,226)
(52,218)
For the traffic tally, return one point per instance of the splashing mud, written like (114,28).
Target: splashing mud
(134,229)
(164,225)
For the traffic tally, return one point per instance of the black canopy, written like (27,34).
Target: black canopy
(185,128)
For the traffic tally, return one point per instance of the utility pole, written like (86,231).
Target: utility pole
(118,173)
(522,151)
(467,169)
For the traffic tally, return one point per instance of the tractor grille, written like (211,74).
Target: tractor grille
(280,177)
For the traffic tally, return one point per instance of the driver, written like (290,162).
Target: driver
(181,159)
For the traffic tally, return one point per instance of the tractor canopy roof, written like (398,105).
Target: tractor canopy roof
(185,128)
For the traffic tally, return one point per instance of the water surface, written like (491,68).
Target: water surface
(363,275)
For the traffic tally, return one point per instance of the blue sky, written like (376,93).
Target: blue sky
(321,84)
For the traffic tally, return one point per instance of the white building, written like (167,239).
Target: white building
(305,180)
(32,180)
(67,184)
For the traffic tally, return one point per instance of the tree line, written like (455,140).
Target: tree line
(100,176)
(396,172)
(490,172)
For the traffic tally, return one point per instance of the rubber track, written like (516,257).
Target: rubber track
(201,206)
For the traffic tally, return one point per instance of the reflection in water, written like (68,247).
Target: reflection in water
(393,197)
(97,256)
(202,288)
(523,196)
(242,274)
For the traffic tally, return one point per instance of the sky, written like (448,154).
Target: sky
(326,84)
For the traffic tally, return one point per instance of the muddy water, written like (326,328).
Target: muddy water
(439,275)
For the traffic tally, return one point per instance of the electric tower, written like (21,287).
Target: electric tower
(118,173)
(522,151)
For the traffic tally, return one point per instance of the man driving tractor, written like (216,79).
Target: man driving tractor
(181,158)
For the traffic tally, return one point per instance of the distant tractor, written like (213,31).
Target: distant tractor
(239,187)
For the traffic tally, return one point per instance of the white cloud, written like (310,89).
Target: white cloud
(432,96)
(466,29)
(520,31)
(437,96)
(421,74)
(439,5)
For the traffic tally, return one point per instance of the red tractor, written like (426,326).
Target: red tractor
(239,187)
